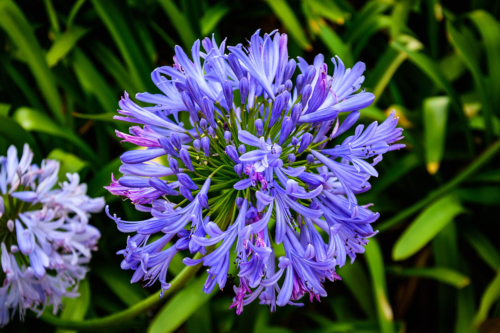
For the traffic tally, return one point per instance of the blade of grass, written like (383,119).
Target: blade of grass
(441,274)
(375,263)
(489,297)
(73,12)
(64,44)
(483,246)
(76,308)
(286,15)
(13,21)
(431,221)
(462,42)
(180,22)
(119,283)
(355,278)
(212,17)
(435,123)
(17,135)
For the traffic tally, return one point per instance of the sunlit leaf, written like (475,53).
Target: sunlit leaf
(355,278)
(212,17)
(64,44)
(285,13)
(483,246)
(432,220)
(119,282)
(76,308)
(68,162)
(489,297)
(180,22)
(441,274)
(435,121)
(17,27)
(375,263)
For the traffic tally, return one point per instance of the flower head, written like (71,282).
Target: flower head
(46,238)
(247,173)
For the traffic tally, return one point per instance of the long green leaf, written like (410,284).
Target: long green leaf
(16,135)
(69,162)
(441,274)
(376,266)
(283,11)
(490,31)
(432,220)
(32,120)
(462,43)
(119,282)
(483,246)
(180,22)
(103,178)
(490,296)
(435,119)
(484,195)
(64,44)
(76,308)
(212,17)
(355,278)
(126,41)
(17,27)
(431,69)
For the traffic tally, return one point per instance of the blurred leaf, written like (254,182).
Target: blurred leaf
(487,176)
(441,274)
(328,10)
(106,116)
(4,109)
(465,310)
(69,162)
(490,31)
(16,135)
(76,308)
(212,17)
(462,43)
(17,27)
(375,263)
(334,43)
(355,278)
(64,44)
(200,320)
(485,195)
(287,17)
(431,221)
(368,20)
(92,81)
(181,306)
(74,10)
(435,123)
(119,282)
(478,124)
(483,246)
(452,66)
(32,120)
(431,69)
(166,38)
(125,40)
(490,296)
(397,170)
(180,22)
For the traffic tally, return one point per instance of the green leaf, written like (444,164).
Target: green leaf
(487,176)
(435,120)
(286,15)
(106,117)
(397,170)
(465,310)
(4,109)
(180,22)
(212,17)
(484,195)
(431,221)
(181,306)
(483,246)
(490,31)
(64,44)
(16,135)
(92,81)
(32,120)
(375,263)
(126,41)
(478,123)
(17,27)
(431,69)
(103,178)
(441,274)
(355,278)
(462,43)
(334,43)
(74,11)
(69,162)
(119,282)
(76,308)
(490,296)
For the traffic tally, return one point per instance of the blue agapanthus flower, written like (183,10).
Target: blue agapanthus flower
(45,236)
(249,169)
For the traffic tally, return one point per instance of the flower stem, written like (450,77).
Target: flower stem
(123,316)
(491,151)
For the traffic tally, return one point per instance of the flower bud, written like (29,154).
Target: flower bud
(227,90)
(234,63)
(197,145)
(186,181)
(209,111)
(289,69)
(299,83)
(288,85)
(286,128)
(176,140)
(243,90)
(259,126)
(233,154)
(186,193)
(186,159)
(242,149)
(188,102)
(310,159)
(203,199)
(203,124)
(211,132)
(205,144)
(295,141)
(166,144)
(306,93)
(309,75)
(305,141)
(161,186)
(227,136)
(291,158)
(296,112)
(174,165)
(238,168)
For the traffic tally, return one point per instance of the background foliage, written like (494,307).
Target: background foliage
(433,267)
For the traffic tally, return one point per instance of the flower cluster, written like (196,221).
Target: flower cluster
(249,169)
(45,236)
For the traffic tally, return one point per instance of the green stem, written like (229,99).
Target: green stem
(123,316)
(492,150)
